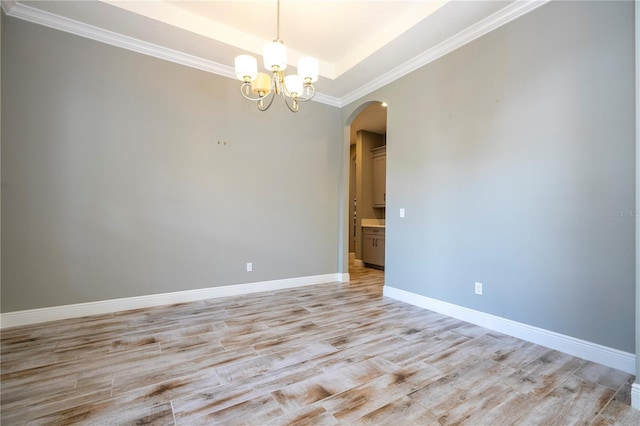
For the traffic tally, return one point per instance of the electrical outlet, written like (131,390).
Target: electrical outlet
(249,267)
(479,289)
(401,212)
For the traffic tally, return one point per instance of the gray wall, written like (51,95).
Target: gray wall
(114,185)
(514,159)
(2,25)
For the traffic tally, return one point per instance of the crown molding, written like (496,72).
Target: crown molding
(57,22)
(490,23)
(328,100)
(7,5)
(51,20)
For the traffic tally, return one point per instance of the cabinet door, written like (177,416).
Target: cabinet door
(369,253)
(373,246)
(379,180)
(379,243)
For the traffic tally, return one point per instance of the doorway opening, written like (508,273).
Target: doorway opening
(367,188)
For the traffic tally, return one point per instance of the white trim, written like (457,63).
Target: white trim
(327,100)
(604,355)
(635,396)
(490,23)
(7,5)
(34,316)
(57,22)
(41,17)
(344,278)
(358,262)
(61,23)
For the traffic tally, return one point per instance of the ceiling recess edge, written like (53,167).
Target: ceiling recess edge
(51,20)
(490,23)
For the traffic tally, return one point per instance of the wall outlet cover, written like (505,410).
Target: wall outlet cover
(479,289)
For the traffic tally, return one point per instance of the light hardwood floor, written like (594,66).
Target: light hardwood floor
(318,355)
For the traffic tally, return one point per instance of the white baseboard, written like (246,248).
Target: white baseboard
(604,355)
(635,395)
(344,278)
(358,262)
(34,316)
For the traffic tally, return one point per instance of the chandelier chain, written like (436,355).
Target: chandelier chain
(278,23)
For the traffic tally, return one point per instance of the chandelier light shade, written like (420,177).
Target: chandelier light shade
(262,88)
(308,69)
(275,56)
(246,67)
(293,84)
(262,84)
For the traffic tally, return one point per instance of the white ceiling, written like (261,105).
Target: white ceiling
(361,45)
(339,33)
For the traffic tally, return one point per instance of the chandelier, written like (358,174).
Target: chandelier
(263,88)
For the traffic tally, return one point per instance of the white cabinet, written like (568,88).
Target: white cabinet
(379,157)
(373,246)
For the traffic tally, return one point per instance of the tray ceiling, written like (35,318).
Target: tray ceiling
(361,45)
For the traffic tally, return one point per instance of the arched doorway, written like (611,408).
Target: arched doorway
(365,189)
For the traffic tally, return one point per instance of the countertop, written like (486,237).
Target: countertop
(373,223)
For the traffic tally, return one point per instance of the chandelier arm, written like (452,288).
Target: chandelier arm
(308,98)
(286,91)
(259,98)
(264,108)
(295,107)
(278,82)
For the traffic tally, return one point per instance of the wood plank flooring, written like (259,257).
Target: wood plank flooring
(319,355)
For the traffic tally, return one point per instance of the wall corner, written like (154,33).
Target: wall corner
(635,389)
